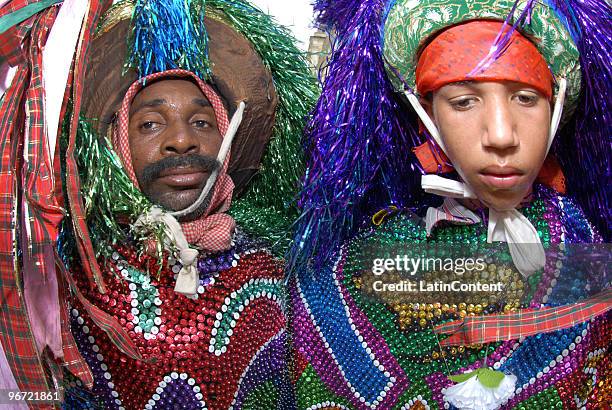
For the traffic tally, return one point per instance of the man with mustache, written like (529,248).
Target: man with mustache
(176,177)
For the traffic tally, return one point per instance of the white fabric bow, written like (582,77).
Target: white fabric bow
(509,225)
(187,279)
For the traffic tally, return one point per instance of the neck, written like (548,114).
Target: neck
(478,205)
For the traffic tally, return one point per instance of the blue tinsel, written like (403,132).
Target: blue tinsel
(167,35)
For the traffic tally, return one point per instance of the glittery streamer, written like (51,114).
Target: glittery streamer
(267,209)
(583,146)
(502,41)
(166,35)
(358,141)
(107,190)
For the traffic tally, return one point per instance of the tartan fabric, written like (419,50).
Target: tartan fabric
(41,210)
(494,328)
(15,333)
(25,170)
(73,360)
(209,232)
(10,47)
(14,5)
(103,320)
(11,40)
(72,180)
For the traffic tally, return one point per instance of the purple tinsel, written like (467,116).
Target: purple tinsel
(583,147)
(360,137)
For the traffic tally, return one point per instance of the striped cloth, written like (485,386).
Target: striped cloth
(495,328)
(211,232)
(451,211)
(12,38)
(25,172)
(24,94)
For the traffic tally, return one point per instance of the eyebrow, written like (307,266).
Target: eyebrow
(148,104)
(202,102)
(463,83)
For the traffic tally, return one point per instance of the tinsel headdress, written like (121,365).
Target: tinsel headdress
(361,133)
(196,35)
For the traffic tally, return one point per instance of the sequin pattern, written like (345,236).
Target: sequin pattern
(224,348)
(354,352)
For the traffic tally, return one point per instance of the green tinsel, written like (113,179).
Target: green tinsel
(267,209)
(108,192)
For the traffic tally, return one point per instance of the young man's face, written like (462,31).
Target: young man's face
(496,133)
(174,141)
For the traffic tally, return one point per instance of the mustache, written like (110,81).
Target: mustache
(203,163)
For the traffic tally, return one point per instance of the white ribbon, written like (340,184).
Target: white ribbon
(506,226)
(56,61)
(187,279)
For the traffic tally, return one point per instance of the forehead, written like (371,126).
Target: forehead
(169,90)
(500,85)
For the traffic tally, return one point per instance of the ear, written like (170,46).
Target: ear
(427,103)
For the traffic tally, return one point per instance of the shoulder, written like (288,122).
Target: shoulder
(574,225)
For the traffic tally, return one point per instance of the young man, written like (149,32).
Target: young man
(170,301)
(395,318)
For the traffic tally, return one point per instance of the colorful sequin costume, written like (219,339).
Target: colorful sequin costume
(354,351)
(147,343)
(225,348)
(112,329)
(358,347)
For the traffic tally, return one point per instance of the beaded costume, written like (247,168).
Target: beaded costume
(103,321)
(226,347)
(378,340)
(353,351)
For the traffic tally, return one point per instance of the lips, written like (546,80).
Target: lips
(501,177)
(182,177)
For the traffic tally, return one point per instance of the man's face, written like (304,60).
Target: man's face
(496,133)
(174,141)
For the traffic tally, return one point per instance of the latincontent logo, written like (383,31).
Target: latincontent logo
(400,266)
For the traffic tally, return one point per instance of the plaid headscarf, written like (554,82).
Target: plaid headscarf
(213,230)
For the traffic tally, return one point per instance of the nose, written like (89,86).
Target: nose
(500,126)
(179,139)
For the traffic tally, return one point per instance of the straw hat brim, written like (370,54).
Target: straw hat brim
(237,72)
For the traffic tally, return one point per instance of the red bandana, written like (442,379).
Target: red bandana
(213,230)
(454,53)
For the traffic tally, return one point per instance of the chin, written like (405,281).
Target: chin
(503,200)
(179,200)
